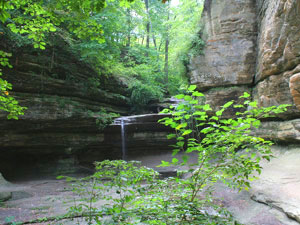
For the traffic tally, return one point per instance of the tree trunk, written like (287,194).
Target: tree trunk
(147,26)
(143,40)
(166,69)
(160,44)
(129,28)
(154,41)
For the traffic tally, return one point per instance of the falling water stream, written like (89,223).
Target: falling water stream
(123,137)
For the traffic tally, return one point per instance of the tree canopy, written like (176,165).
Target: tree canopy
(146,41)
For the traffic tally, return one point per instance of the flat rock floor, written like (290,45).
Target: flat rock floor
(273,200)
(35,199)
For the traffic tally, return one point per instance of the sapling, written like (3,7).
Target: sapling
(227,148)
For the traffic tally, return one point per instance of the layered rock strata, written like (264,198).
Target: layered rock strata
(66,100)
(251,46)
(254,46)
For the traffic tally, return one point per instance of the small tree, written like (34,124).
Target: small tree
(7,102)
(227,148)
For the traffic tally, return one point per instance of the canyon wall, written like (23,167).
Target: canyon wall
(254,46)
(68,105)
(64,109)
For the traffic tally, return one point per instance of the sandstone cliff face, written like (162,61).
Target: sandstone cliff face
(64,105)
(59,132)
(230,35)
(252,46)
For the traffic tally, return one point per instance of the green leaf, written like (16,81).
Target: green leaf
(192,87)
(164,164)
(187,132)
(187,117)
(182,125)
(52,29)
(174,160)
(245,95)
(188,98)
(180,144)
(207,107)
(220,112)
(181,96)
(228,104)
(194,102)
(214,118)
(165,111)
(197,94)
(256,123)
(185,159)
(253,104)
(171,136)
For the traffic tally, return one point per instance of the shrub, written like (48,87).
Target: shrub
(227,148)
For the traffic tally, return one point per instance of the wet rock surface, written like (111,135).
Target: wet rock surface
(76,147)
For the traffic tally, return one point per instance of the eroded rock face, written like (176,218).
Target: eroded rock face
(294,86)
(217,97)
(229,54)
(255,45)
(64,97)
(277,90)
(278,54)
(251,45)
(278,37)
(283,132)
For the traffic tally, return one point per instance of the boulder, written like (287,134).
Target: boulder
(294,85)
(4,194)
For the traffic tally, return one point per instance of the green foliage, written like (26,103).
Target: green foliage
(142,94)
(10,220)
(196,47)
(104,118)
(117,182)
(111,37)
(134,195)
(226,148)
(185,30)
(7,102)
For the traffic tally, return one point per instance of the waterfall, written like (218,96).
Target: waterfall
(123,138)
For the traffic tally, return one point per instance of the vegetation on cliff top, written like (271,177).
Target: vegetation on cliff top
(144,41)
